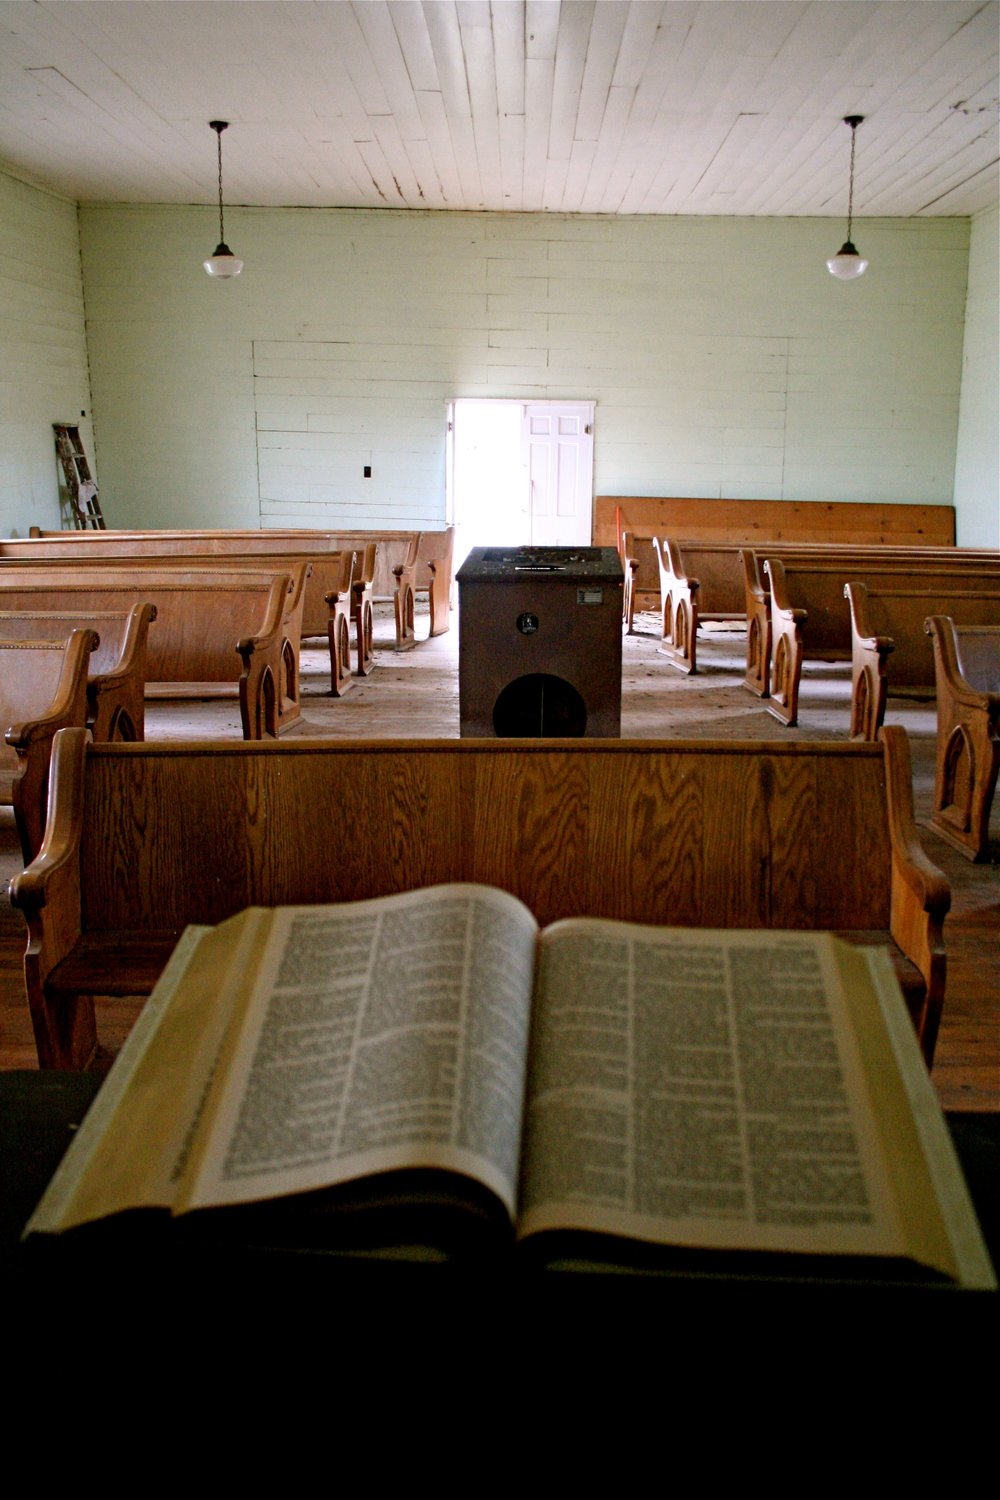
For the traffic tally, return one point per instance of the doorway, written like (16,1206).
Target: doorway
(520,473)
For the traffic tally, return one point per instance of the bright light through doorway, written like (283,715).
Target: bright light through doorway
(520,473)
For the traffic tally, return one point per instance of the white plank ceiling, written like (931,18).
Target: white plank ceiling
(725,107)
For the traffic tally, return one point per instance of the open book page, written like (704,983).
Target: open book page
(378,1035)
(128,1151)
(701,1089)
(933,1200)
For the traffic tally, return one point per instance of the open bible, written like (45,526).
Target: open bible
(431,1070)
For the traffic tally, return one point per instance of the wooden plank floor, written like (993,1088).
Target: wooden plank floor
(416,693)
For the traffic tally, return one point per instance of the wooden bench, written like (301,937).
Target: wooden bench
(690,833)
(435,569)
(685,602)
(219,632)
(967,661)
(117,670)
(43,688)
(747,522)
(706,576)
(718,568)
(391,576)
(434,552)
(890,649)
(408,563)
(328,600)
(808,609)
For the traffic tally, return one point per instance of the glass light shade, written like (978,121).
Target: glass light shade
(847,264)
(223,264)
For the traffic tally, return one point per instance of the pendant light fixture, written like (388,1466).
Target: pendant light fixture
(222,263)
(847,264)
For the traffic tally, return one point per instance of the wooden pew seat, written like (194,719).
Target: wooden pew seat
(326,608)
(890,648)
(43,688)
(220,632)
(685,833)
(809,614)
(967,663)
(117,670)
(431,572)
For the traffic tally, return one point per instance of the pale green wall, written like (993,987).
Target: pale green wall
(977,468)
(723,357)
(43,355)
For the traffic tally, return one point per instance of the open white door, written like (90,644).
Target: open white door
(520,472)
(558,442)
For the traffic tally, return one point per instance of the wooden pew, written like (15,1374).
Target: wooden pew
(639,565)
(220,632)
(890,649)
(43,688)
(684,602)
(690,833)
(757,587)
(747,522)
(117,669)
(328,602)
(434,551)
(967,661)
(393,576)
(435,568)
(409,563)
(718,567)
(809,613)
(707,576)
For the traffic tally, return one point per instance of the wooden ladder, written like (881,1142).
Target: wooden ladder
(83,498)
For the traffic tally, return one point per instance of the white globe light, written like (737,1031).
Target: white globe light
(847,264)
(223,264)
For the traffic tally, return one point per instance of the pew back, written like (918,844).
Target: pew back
(890,649)
(117,668)
(43,688)
(967,665)
(746,521)
(219,630)
(684,833)
(433,561)
(809,615)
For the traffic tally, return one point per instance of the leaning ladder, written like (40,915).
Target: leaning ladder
(83,498)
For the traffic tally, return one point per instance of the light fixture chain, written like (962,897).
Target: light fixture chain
(850,190)
(222,230)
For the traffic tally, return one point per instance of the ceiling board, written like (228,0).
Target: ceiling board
(592,106)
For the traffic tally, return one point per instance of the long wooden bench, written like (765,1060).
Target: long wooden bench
(705,576)
(408,563)
(391,577)
(117,669)
(219,631)
(967,661)
(435,569)
(748,521)
(685,603)
(689,833)
(434,552)
(718,568)
(809,612)
(43,688)
(890,649)
(757,585)
(328,602)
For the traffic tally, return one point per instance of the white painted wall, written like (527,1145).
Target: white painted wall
(977,468)
(43,356)
(724,359)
